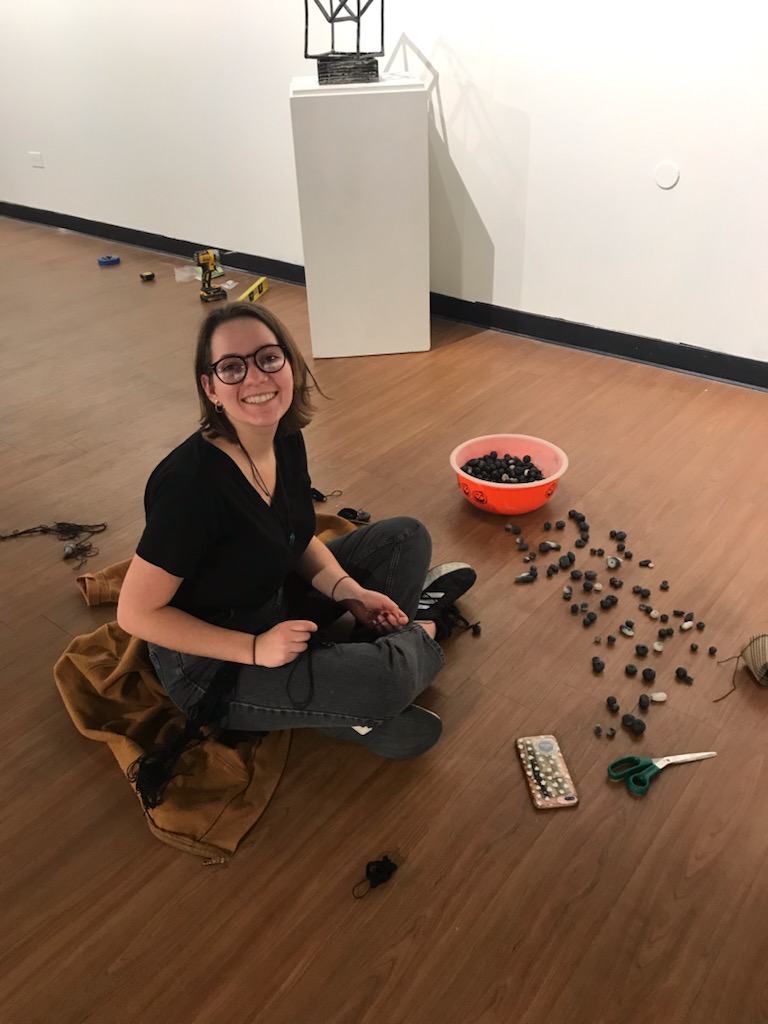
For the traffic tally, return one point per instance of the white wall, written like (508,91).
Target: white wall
(168,116)
(172,116)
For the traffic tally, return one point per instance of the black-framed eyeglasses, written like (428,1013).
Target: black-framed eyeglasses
(232,369)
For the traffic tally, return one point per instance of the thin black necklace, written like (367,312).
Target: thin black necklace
(256,474)
(260,483)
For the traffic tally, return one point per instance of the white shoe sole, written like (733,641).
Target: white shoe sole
(442,570)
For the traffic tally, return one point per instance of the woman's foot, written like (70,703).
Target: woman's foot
(443,586)
(412,732)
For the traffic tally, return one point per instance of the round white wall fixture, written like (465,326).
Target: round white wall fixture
(667,174)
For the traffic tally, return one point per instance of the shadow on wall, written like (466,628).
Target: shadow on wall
(462,255)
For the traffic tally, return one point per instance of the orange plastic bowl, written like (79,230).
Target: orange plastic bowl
(510,499)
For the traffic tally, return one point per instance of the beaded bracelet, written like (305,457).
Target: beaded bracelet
(338,581)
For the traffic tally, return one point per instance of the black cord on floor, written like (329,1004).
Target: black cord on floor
(76,535)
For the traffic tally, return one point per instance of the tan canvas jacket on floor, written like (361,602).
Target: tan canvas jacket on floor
(113,696)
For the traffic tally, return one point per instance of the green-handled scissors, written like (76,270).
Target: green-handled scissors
(637,772)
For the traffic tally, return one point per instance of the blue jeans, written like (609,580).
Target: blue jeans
(364,682)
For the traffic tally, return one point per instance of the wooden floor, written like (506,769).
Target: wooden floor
(635,910)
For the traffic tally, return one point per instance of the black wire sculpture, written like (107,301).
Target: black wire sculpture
(344,65)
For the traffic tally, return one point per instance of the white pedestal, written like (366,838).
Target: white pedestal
(363,178)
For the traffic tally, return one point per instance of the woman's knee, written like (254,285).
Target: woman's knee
(411,532)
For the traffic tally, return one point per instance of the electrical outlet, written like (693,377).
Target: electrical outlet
(36,158)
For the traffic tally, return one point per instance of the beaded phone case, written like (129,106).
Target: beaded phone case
(546,772)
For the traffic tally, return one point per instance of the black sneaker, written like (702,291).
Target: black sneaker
(443,586)
(411,733)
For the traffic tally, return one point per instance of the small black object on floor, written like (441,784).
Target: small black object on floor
(377,872)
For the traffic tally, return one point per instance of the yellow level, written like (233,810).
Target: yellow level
(256,290)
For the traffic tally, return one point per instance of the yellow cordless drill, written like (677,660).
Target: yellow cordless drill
(206,260)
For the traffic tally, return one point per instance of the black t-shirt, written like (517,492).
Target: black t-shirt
(209,525)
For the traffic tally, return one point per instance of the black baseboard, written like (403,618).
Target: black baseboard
(687,358)
(275,269)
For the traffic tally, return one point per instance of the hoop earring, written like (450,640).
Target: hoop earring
(218,407)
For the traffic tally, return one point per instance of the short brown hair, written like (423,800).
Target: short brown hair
(299,414)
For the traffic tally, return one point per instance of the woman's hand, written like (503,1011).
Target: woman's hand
(376,611)
(284,642)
